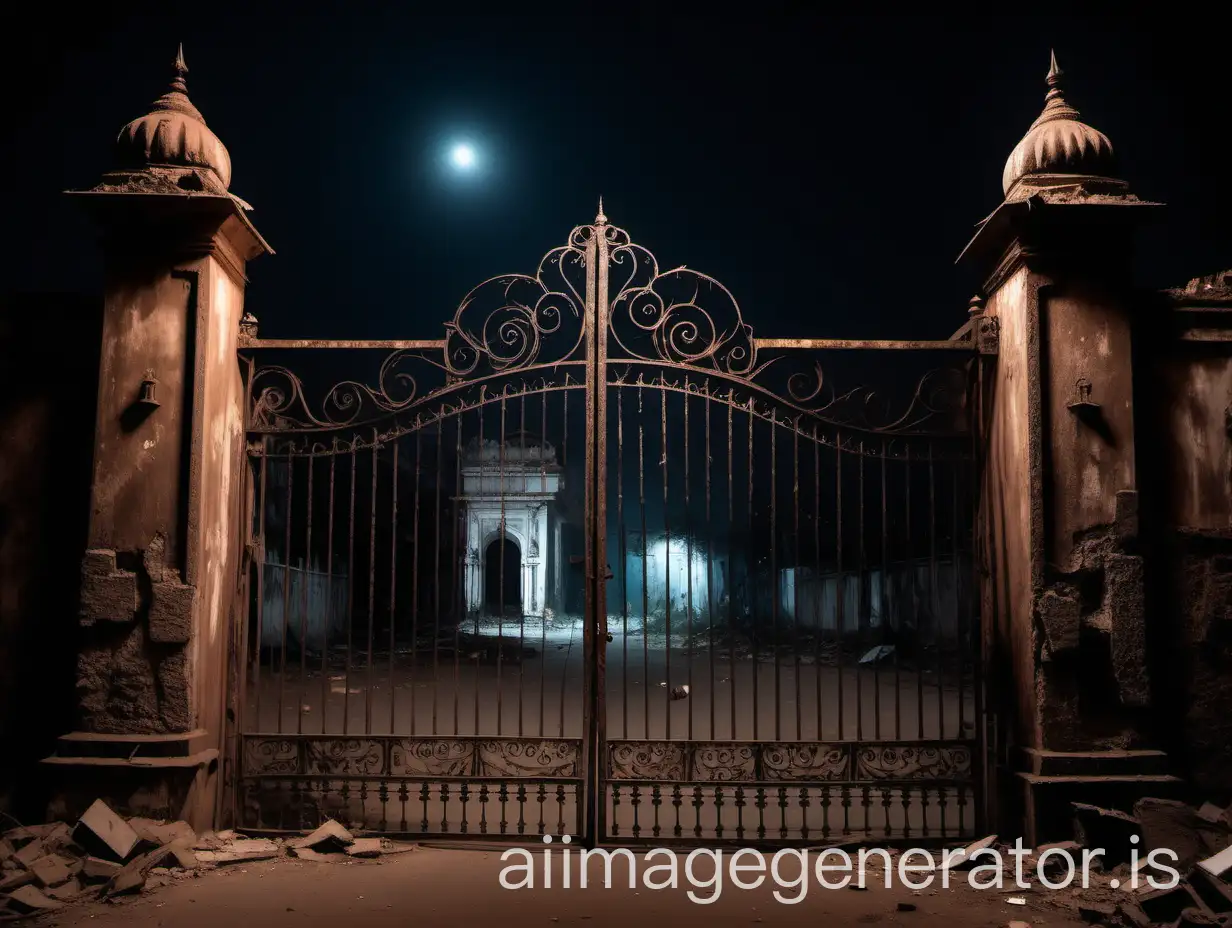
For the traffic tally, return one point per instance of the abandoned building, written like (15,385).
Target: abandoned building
(465,592)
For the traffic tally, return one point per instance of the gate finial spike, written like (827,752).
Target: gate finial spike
(181,69)
(600,219)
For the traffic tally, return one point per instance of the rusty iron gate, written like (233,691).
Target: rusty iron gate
(602,563)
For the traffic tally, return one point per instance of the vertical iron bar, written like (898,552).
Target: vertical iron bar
(500,589)
(393,595)
(960,597)
(303,618)
(564,456)
(840,582)
(346,674)
(436,578)
(481,567)
(286,587)
(415,581)
(861,603)
(773,584)
(368,683)
(641,504)
(667,555)
(457,591)
(731,562)
(795,541)
(598,500)
(750,578)
(688,567)
(548,571)
(523,584)
(624,561)
(818,585)
(709,565)
(935,602)
(917,644)
(329,587)
(260,588)
(887,629)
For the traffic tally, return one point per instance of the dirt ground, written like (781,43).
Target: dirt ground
(432,887)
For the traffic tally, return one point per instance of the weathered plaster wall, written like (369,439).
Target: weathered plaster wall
(215,571)
(1091,457)
(136,611)
(1008,500)
(48,378)
(1195,394)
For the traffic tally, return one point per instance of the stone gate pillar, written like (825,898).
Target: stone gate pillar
(1063,598)
(160,576)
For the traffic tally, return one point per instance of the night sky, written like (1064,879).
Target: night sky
(827,170)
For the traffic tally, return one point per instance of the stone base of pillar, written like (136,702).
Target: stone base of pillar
(156,776)
(1047,782)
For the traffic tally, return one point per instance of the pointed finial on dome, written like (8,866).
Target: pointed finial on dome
(181,70)
(1055,106)
(600,219)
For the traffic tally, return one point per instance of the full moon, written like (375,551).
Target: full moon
(462,156)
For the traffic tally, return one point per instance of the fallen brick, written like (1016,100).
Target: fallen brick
(30,899)
(131,877)
(177,854)
(330,833)
(103,833)
(365,847)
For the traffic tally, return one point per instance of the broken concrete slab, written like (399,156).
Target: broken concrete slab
(97,870)
(51,870)
(1092,912)
(65,892)
(30,899)
(1218,865)
(19,836)
(104,834)
(162,833)
(330,834)
(1171,825)
(131,877)
(307,853)
(15,879)
(7,849)
(245,849)
(365,847)
(1110,829)
(398,847)
(1211,814)
(30,853)
(1195,918)
(1132,914)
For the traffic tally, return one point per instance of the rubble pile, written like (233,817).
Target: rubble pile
(1126,889)
(105,856)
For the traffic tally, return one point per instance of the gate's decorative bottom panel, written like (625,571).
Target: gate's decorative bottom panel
(788,791)
(413,786)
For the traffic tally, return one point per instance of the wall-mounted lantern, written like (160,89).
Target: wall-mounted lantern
(149,392)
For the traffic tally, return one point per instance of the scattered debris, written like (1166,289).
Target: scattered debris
(330,836)
(1016,900)
(963,860)
(680,692)
(1110,829)
(1218,865)
(878,654)
(906,907)
(365,847)
(1095,912)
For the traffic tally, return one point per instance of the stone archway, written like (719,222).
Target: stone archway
(502,567)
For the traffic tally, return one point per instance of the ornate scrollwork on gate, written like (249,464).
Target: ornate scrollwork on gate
(646,760)
(344,757)
(914,762)
(271,756)
(806,762)
(447,757)
(514,321)
(513,757)
(680,316)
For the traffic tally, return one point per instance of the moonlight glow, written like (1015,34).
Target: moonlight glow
(462,156)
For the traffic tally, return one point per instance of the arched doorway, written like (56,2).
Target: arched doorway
(503,578)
